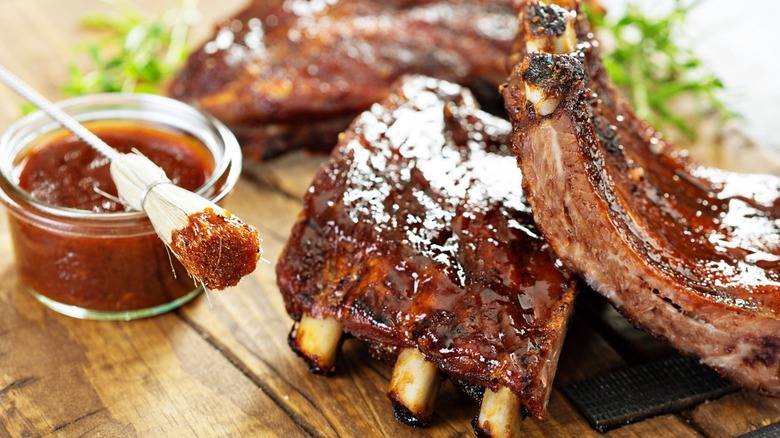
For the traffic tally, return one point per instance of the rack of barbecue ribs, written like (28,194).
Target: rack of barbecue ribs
(293,74)
(688,253)
(416,238)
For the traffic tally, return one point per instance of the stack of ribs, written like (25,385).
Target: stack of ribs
(293,74)
(415,237)
(688,253)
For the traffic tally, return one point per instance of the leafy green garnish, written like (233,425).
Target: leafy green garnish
(646,62)
(137,53)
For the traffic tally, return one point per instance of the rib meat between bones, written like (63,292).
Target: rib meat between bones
(415,236)
(688,253)
(293,74)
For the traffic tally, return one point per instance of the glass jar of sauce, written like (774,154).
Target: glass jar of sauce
(76,250)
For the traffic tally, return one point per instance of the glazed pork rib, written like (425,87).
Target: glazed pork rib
(416,238)
(292,74)
(688,253)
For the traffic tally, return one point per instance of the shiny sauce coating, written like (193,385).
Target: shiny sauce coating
(416,234)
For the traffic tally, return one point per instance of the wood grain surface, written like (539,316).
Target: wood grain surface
(221,366)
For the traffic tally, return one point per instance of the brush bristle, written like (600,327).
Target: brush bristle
(217,248)
(133,175)
(169,208)
(143,186)
(214,246)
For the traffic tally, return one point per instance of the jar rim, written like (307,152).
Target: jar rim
(156,109)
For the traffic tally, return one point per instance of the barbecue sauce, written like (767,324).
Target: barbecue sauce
(114,266)
(65,171)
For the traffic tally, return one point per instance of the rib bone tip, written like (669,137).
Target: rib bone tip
(499,414)
(543,104)
(550,29)
(413,388)
(317,341)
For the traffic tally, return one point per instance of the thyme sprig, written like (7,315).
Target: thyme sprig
(136,53)
(647,62)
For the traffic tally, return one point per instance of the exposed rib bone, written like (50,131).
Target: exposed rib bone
(499,415)
(546,77)
(413,388)
(549,28)
(317,341)
(543,103)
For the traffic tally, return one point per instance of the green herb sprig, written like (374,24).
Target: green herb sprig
(136,53)
(652,69)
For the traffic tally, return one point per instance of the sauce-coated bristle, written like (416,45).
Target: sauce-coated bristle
(214,246)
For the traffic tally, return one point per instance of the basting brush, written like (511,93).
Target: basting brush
(215,247)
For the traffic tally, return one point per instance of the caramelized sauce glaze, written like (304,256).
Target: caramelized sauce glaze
(279,63)
(688,253)
(416,234)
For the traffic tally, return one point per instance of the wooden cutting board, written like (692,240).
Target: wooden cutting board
(220,366)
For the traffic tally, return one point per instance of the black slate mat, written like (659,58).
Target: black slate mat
(632,394)
(771,431)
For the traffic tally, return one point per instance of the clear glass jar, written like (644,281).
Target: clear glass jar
(106,266)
